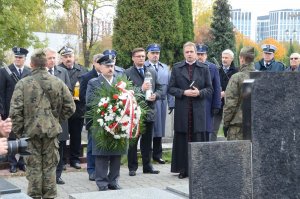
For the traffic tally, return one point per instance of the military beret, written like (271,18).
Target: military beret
(20,51)
(247,51)
(110,52)
(153,48)
(66,50)
(201,48)
(106,60)
(268,48)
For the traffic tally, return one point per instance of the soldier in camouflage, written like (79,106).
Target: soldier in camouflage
(232,112)
(39,103)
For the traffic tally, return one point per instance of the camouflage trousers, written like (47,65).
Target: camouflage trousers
(234,133)
(41,167)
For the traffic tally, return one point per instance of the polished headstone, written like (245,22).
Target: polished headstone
(246,108)
(220,170)
(138,193)
(6,187)
(276,135)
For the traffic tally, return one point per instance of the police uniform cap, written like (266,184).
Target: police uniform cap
(66,50)
(202,48)
(247,51)
(110,52)
(268,48)
(20,51)
(106,60)
(153,48)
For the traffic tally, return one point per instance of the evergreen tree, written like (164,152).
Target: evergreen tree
(139,23)
(186,12)
(221,30)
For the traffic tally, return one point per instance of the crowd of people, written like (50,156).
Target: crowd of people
(47,103)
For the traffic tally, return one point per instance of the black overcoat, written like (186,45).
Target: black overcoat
(179,82)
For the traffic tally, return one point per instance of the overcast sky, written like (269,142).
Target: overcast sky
(262,7)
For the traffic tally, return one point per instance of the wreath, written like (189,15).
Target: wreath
(117,114)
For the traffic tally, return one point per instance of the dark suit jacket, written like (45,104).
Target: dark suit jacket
(7,86)
(74,75)
(137,79)
(62,74)
(84,79)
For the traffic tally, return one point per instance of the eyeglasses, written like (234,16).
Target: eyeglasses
(140,56)
(294,58)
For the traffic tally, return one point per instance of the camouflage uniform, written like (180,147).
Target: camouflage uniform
(232,112)
(39,103)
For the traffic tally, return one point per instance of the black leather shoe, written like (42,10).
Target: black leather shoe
(182,175)
(103,188)
(59,181)
(22,167)
(152,171)
(92,177)
(114,187)
(132,173)
(13,169)
(76,165)
(160,161)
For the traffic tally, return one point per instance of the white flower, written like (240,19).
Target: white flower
(117,137)
(101,122)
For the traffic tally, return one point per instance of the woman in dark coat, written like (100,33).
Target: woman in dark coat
(190,83)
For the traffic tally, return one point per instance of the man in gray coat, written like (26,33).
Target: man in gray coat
(104,160)
(161,105)
(62,74)
(191,85)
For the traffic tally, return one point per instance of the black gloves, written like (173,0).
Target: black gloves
(215,111)
(225,130)
(171,110)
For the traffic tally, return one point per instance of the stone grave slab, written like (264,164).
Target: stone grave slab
(276,135)
(138,193)
(6,187)
(15,196)
(220,170)
(179,189)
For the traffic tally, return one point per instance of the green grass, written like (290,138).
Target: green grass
(167,156)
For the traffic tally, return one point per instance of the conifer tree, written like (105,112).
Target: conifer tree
(221,30)
(139,23)
(186,12)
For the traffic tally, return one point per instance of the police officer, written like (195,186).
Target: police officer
(38,105)
(232,112)
(268,63)
(213,103)
(76,121)
(9,76)
(119,71)
(161,105)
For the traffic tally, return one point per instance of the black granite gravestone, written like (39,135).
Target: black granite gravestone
(246,107)
(276,136)
(220,170)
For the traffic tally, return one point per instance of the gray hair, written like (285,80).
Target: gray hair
(229,52)
(97,57)
(48,49)
(295,54)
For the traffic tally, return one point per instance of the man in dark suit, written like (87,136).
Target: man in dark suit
(136,74)
(76,121)
(190,83)
(84,79)
(62,74)
(8,78)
